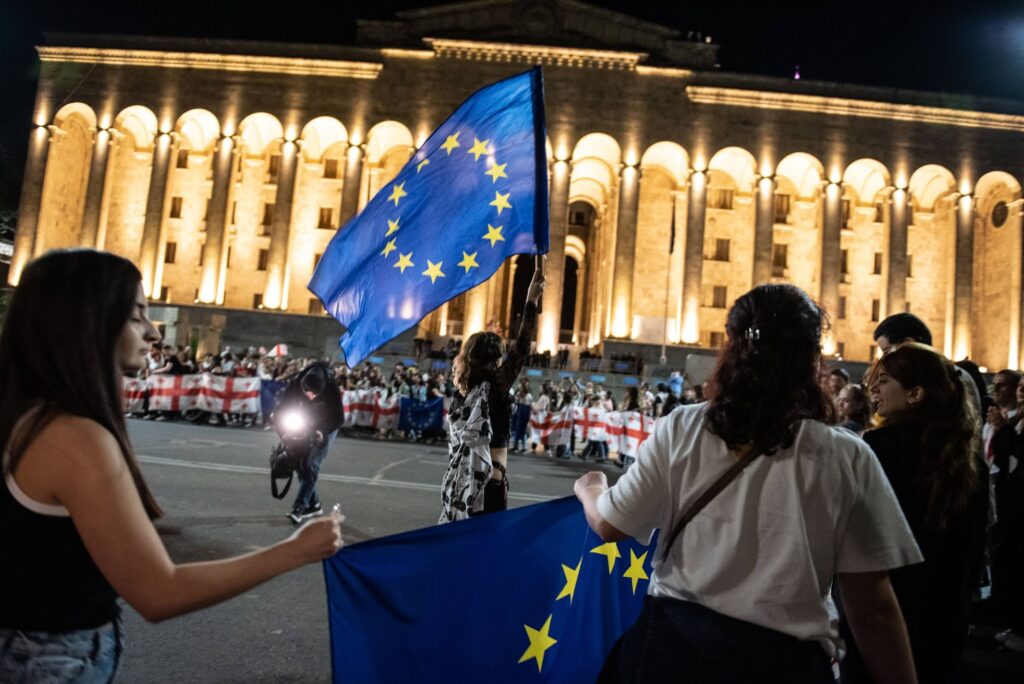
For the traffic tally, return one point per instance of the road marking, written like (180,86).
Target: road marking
(379,475)
(348,479)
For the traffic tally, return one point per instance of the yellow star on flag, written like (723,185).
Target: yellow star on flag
(571,575)
(479,147)
(390,247)
(392,226)
(450,143)
(539,643)
(469,261)
(636,570)
(398,192)
(497,171)
(611,550)
(494,234)
(419,167)
(404,261)
(434,271)
(500,201)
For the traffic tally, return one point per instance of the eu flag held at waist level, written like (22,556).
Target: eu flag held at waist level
(529,596)
(472,195)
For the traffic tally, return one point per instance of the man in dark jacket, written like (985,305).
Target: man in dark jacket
(313,395)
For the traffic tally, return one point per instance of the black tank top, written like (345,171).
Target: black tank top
(48,581)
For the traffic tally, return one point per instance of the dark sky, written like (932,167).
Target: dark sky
(955,46)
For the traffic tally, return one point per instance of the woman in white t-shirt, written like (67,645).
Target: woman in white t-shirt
(743,593)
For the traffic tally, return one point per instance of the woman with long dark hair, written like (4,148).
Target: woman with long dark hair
(480,417)
(75,511)
(928,447)
(760,503)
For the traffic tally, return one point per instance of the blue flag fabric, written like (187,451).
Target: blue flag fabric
(414,414)
(474,194)
(528,595)
(269,391)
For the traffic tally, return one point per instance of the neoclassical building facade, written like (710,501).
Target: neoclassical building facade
(223,168)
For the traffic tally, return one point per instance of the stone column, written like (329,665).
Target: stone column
(149,253)
(625,251)
(116,139)
(896,273)
(474,318)
(281,233)
(506,312)
(1017,315)
(831,228)
(29,205)
(963,281)
(554,271)
(350,188)
(693,259)
(223,163)
(94,191)
(581,271)
(764,228)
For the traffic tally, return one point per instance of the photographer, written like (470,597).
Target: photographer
(308,417)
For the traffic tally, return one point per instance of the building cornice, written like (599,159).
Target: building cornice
(836,106)
(294,66)
(535,54)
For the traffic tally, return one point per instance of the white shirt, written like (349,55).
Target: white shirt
(766,548)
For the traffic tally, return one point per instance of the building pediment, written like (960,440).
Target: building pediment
(567,24)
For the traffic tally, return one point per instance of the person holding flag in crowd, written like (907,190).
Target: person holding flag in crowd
(76,515)
(473,195)
(480,419)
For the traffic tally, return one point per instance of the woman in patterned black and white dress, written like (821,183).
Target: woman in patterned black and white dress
(480,417)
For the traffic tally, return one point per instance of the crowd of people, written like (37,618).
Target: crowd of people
(786,501)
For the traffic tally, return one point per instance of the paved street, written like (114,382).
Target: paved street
(214,486)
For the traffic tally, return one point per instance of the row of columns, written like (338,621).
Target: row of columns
(227,149)
(895,272)
(154,233)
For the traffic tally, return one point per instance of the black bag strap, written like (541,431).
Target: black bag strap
(749,453)
(287,484)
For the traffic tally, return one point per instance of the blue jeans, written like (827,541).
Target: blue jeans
(308,473)
(85,656)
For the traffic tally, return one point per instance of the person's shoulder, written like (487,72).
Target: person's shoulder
(74,442)
(821,438)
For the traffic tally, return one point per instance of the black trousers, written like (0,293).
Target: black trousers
(681,641)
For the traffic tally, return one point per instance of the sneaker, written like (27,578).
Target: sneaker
(1001,637)
(312,511)
(295,517)
(1014,642)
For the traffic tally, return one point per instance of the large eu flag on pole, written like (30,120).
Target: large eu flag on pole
(474,194)
(528,595)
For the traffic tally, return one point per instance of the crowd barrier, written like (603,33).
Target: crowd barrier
(624,431)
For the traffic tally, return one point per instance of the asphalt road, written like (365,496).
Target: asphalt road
(213,484)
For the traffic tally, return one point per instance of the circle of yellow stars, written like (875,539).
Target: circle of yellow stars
(540,638)
(493,236)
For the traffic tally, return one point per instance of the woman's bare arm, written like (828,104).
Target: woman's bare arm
(81,466)
(877,624)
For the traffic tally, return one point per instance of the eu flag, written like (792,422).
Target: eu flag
(529,595)
(474,194)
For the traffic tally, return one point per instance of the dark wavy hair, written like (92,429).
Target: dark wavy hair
(860,411)
(948,471)
(481,355)
(58,350)
(767,375)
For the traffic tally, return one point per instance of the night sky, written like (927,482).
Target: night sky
(965,47)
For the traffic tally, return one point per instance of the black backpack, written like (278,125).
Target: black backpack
(283,464)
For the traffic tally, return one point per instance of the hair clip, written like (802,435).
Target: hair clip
(752,334)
